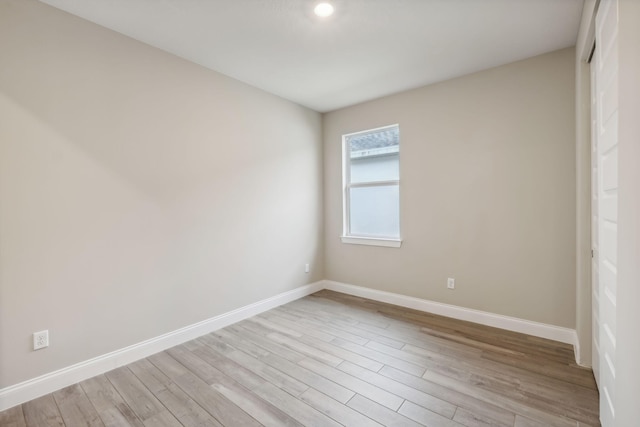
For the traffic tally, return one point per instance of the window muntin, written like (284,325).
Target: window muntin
(371,197)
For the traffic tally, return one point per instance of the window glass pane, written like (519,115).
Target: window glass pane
(374,211)
(373,156)
(375,168)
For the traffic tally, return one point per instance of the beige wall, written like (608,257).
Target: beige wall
(139,193)
(487,192)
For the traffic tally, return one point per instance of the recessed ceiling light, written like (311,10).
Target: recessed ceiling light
(323,10)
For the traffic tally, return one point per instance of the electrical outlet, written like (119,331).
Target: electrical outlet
(451,283)
(306,268)
(40,340)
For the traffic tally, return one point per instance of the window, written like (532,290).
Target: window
(371,180)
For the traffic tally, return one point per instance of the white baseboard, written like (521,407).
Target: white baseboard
(578,353)
(514,324)
(576,349)
(48,383)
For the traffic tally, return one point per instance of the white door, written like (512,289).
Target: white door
(606,134)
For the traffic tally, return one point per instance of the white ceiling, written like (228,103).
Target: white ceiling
(367,49)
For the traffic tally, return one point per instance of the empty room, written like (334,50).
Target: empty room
(307,213)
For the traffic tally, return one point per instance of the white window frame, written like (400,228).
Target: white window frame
(347,237)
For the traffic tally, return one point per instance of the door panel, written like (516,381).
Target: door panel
(606,200)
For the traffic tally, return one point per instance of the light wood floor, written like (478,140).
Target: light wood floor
(331,359)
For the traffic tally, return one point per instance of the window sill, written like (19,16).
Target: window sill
(372,241)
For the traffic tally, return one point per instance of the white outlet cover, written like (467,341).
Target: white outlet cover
(40,340)
(451,283)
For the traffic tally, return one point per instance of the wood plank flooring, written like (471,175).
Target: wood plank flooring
(328,360)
